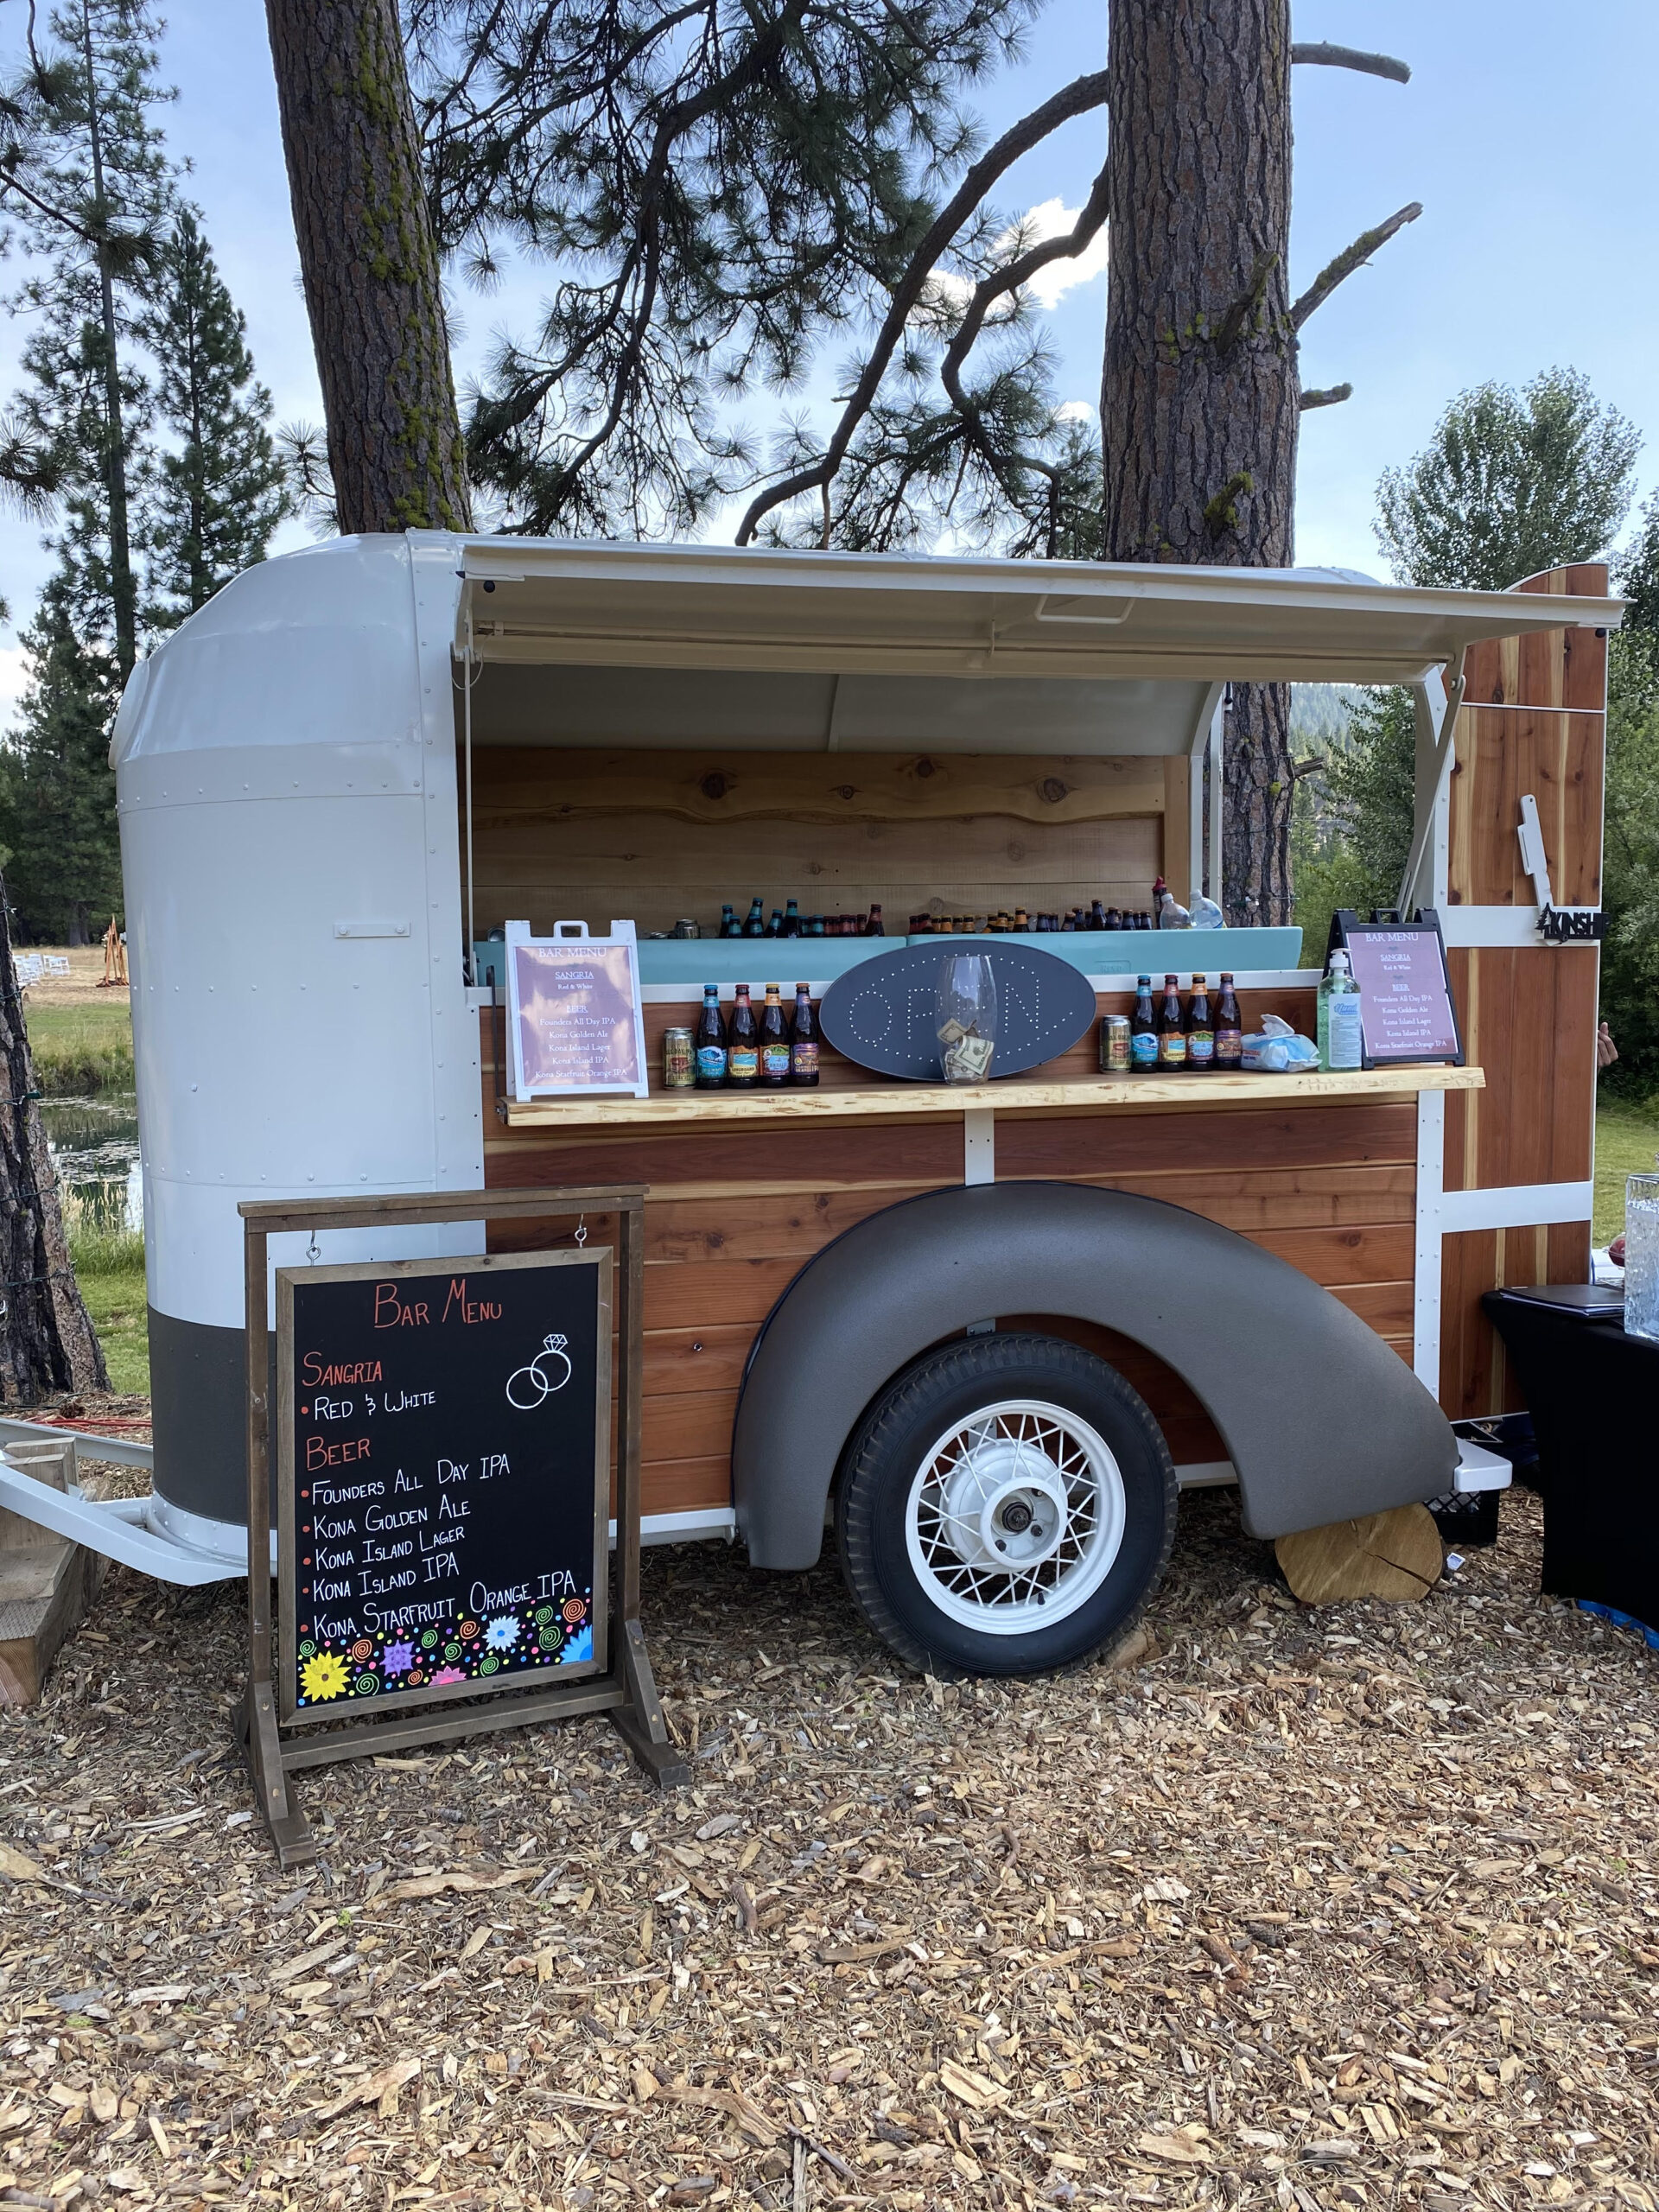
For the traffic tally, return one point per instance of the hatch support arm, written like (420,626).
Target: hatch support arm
(1435,701)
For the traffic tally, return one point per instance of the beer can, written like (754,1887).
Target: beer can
(686,929)
(679,1060)
(1115,1045)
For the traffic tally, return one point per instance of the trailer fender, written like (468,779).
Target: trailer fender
(1321,1418)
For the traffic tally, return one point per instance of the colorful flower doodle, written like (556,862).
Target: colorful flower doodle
(503,1632)
(323,1676)
(578,1645)
(399,1658)
(449,1674)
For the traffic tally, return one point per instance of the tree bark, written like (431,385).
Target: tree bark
(1200,395)
(46,1341)
(370,264)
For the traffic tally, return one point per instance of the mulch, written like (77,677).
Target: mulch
(1353,1907)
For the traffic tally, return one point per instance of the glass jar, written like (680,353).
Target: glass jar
(1642,1257)
(966,1027)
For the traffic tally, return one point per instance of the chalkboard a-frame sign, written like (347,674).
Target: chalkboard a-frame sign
(444,1478)
(445,1456)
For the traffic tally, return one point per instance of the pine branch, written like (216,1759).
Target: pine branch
(1019,271)
(1233,323)
(1078,97)
(1350,57)
(10,182)
(1333,396)
(1352,257)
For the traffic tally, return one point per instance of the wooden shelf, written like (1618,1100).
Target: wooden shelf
(888,1102)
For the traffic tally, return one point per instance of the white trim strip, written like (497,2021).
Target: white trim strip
(1206,1474)
(1515,1205)
(1498,926)
(979,1145)
(684,1528)
(1426,1287)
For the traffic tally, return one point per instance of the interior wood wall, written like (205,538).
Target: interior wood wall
(656,836)
(1533,721)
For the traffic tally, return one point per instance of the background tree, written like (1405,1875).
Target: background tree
(1510,484)
(216,489)
(1630,957)
(57,794)
(369,259)
(84,176)
(138,429)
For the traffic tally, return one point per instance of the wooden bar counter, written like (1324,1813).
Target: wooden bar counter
(745,1187)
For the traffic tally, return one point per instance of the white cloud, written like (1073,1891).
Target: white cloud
(1076,411)
(1050,219)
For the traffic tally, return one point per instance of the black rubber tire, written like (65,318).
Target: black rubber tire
(886,1451)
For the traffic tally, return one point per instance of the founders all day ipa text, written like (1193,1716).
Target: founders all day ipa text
(445,1449)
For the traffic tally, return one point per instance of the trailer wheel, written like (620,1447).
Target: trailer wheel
(1007,1506)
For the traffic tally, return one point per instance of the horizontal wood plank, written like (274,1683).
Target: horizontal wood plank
(546,787)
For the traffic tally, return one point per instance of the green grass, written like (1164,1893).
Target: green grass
(110,1268)
(1627,1140)
(79,1048)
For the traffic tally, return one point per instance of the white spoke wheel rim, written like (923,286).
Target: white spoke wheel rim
(1014,1517)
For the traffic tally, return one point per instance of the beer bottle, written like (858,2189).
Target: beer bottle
(774,1041)
(803,1043)
(1172,1031)
(1200,1029)
(775,926)
(791,919)
(743,1045)
(815,926)
(1021,921)
(1143,1028)
(755,925)
(711,1040)
(1096,916)
(1114,919)
(728,920)
(1230,1026)
(873,927)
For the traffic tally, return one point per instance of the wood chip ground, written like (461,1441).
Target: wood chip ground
(1308,1909)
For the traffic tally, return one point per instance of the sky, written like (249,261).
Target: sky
(1527,132)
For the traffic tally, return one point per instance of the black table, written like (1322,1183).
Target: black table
(1593,1394)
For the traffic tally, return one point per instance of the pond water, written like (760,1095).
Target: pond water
(94,1146)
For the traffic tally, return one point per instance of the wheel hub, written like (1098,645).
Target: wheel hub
(1006,1504)
(1014,1517)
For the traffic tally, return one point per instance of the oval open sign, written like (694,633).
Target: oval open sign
(884,1013)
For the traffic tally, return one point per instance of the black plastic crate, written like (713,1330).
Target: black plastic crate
(1466,1518)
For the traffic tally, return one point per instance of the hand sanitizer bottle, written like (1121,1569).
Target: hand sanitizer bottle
(1340,1042)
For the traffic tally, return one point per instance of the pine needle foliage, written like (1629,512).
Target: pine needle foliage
(721,186)
(216,489)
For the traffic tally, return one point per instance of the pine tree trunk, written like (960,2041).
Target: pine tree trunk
(370,262)
(1199,397)
(47,1342)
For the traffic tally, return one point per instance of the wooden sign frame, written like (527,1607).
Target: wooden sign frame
(622,938)
(290,1713)
(626,1688)
(1345,922)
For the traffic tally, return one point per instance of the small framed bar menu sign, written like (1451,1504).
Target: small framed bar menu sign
(574,1018)
(1406,1009)
(443,1476)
